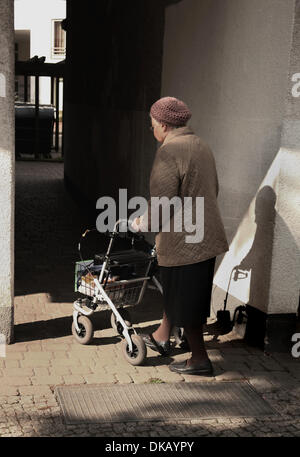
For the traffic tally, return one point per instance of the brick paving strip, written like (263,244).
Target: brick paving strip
(45,354)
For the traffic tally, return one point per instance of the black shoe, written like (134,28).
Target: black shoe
(163,347)
(204,369)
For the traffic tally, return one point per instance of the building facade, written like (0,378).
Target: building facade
(38,32)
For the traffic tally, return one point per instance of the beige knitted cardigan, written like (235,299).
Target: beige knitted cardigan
(184,166)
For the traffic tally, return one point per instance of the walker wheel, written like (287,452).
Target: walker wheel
(138,355)
(126,317)
(86,332)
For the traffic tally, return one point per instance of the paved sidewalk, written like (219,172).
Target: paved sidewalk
(45,354)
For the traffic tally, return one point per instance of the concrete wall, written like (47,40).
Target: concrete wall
(108,143)
(285,272)
(229,60)
(6,168)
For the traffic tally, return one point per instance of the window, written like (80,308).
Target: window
(59,39)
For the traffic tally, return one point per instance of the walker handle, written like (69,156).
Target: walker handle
(112,234)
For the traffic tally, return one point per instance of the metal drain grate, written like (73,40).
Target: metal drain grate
(151,402)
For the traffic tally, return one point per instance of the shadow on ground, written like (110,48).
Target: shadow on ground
(142,317)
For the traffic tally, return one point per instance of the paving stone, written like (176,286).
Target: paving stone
(284,377)
(34,363)
(16,347)
(229,376)
(27,428)
(38,355)
(294,369)
(161,369)
(85,351)
(123,378)
(261,383)
(35,390)
(140,377)
(16,381)
(27,397)
(235,366)
(99,368)
(195,378)
(240,351)
(171,377)
(6,390)
(61,370)
(11,363)
(73,379)
(96,379)
(14,356)
(13,400)
(254,351)
(34,347)
(65,362)
(254,363)
(284,358)
(80,370)
(47,380)
(234,358)
(56,347)
(60,355)
(271,364)
(41,371)
(18,372)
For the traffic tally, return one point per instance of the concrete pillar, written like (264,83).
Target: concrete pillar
(7,168)
(285,267)
(267,242)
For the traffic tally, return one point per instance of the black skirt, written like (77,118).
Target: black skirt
(187,292)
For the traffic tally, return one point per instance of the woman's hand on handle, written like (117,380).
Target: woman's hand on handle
(136,224)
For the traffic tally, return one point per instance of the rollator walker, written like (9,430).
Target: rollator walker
(116,281)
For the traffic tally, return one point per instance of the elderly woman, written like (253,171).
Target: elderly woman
(184,166)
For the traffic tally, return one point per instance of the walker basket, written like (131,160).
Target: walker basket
(125,292)
(124,279)
(82,269)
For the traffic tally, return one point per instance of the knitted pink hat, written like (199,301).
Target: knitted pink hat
(171,111)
